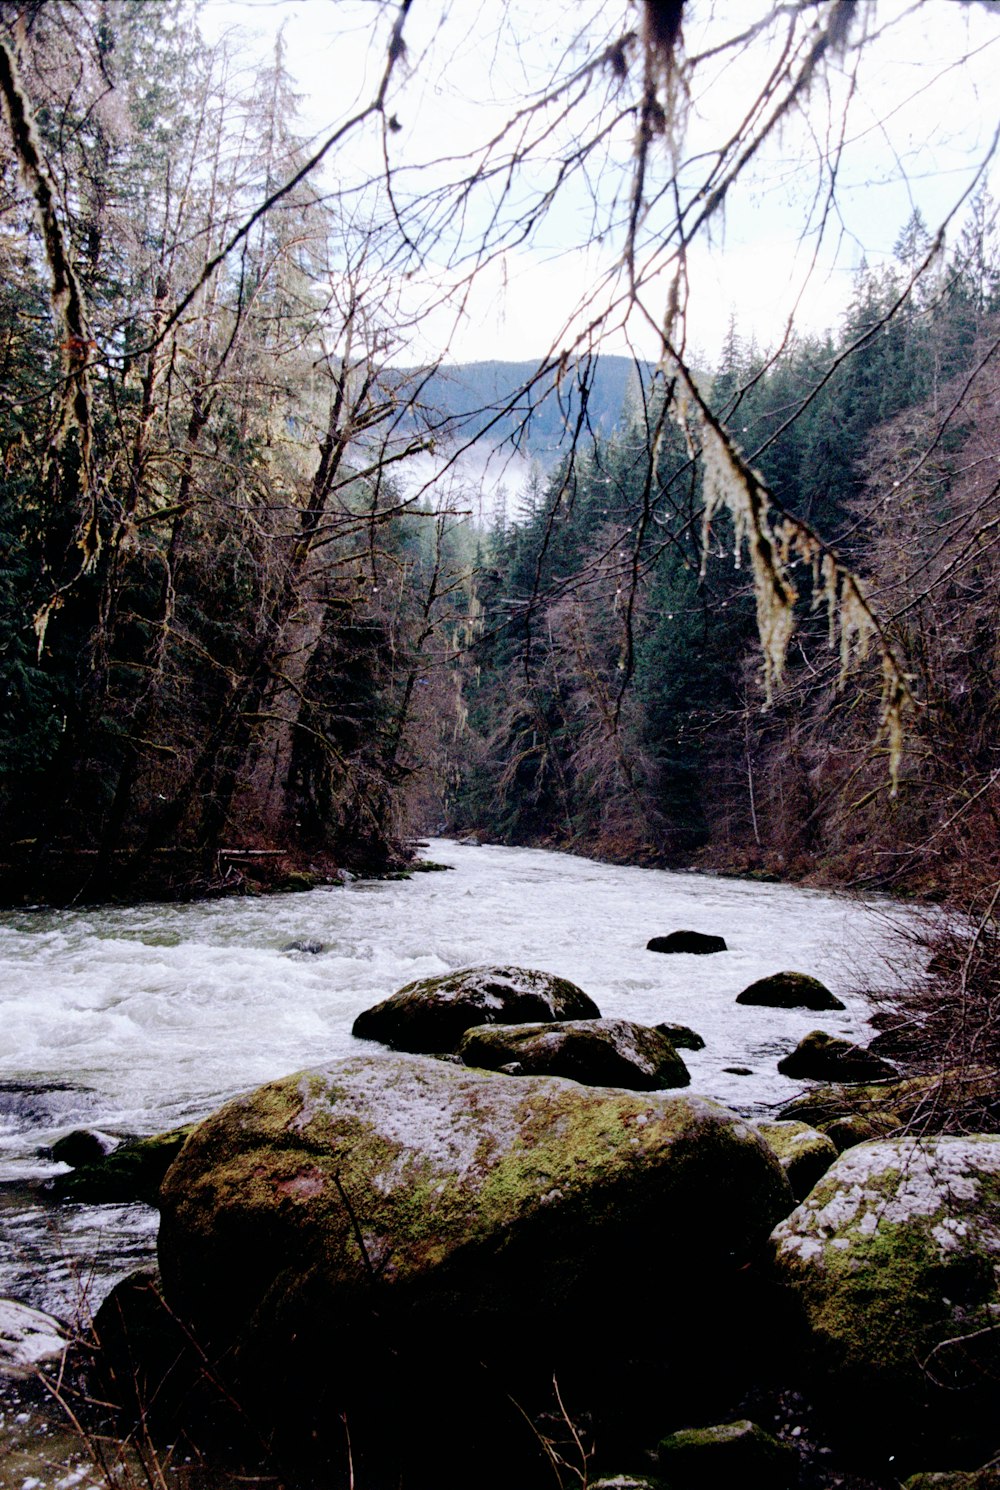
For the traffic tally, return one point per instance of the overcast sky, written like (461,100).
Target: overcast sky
(921,126)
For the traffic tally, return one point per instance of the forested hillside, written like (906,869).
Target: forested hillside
(212,610)
(617,700)
(748,618)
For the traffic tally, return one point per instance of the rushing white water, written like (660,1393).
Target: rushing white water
(134,1019)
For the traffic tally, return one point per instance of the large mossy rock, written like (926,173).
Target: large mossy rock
(412,1243)
(598,1052)
(727,1454)
(892,1262)
(789,991)
(431,1015)
(822,1057)
(804,1153)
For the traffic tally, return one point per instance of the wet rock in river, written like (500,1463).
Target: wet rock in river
(699,943)
(83,1146)
(789,990)
(681,1036)
(598,1052)
(132,1172)
(823,1057)
(432,1014)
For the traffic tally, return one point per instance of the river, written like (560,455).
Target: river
(134,1019)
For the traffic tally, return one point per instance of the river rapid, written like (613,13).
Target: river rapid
(135,1019)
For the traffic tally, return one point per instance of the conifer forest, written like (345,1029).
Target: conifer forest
(746,618)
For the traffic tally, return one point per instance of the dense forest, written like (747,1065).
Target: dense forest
(240,647)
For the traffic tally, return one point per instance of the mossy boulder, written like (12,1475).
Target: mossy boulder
(739,1453)
(131,1172)
(804,1153)
(598,1052)
(415,1242)
(696,943)
(822,1057)
(892,1262)
(789,991)
(987,1478)
(681,1036)
(431,1015)
(861,1127)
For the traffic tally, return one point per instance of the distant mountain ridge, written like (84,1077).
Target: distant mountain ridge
(487,400)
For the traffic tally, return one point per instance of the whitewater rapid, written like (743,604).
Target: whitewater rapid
(135,1019)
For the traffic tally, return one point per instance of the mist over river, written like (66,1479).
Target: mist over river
(135,1019)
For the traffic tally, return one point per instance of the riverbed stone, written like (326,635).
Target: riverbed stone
(789,990)
(987,1478)
(131,1172)
(28,1339)
(681,1036)
(388,1235)
(738,1453)
(892,1263)
(598,1052)
(83,1146)
(823,1057)
(804,1153)
(697,943)
(432,1014)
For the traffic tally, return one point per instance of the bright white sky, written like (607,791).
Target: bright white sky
(920,131)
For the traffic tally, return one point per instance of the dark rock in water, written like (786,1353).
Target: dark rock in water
(132,1172)
(738,1070)
(733,1454)
(598,1052)
(822,1057)
(83,1146)
(309,949)
(697,942)
(789,991)
(681,1036)
(432,1014)
(419,1244)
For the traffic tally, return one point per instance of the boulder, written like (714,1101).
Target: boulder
(738,1453)
(598,1052)
(625,1482)
(681,1036)
(83,1146)
(987,1478)
(789,991)
(28,1339)
(304,948)
(822,1057)
(804,1153)
(432,1014)
(410,1241)
(700,943)
(131,1172)
(892,1263)
(861,1127)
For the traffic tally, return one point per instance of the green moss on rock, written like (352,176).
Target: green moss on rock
(803,1152)
(892,1260)
(739,1453)
(131,1172)
(789,990)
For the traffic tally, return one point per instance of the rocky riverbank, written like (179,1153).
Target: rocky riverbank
(409,1270)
